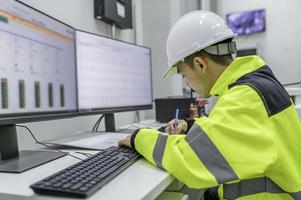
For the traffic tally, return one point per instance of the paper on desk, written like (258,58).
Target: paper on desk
(98,141)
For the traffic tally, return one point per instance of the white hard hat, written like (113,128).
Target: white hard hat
(193,32)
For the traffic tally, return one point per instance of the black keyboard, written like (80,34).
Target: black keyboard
(86,177)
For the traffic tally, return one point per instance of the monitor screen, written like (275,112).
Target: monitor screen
(37,63)
(248,22)
(112,75)
(37,78)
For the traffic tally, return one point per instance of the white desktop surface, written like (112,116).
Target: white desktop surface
(141,180)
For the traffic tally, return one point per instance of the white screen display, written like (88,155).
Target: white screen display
(111,73)
(37,61)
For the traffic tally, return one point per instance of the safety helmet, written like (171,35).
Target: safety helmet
(193,32)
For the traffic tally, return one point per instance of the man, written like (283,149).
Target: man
(249,145)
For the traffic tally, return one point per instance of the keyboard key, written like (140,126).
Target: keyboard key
(83,189)
(109,171)
(67,185)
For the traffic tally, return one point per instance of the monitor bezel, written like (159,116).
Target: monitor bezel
(105,110)
(26,117)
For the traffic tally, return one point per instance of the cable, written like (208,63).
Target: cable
(85,154)
(96,125)
(99,123)
(41,143)
(93,129)
(113,31)
(137,117)
(289,84)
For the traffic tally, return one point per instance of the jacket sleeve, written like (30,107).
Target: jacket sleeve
(227,146)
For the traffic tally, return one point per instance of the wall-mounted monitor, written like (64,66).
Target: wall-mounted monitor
(247,22)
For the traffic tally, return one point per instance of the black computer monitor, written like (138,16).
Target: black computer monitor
(37,77)
(112,76)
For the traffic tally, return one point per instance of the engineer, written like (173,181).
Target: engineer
(250,144)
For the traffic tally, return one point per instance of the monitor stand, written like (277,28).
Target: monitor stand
(110,122)
(13,161)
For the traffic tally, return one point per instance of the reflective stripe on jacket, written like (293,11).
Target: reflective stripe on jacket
(250,144)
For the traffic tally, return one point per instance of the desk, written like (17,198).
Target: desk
(140,181)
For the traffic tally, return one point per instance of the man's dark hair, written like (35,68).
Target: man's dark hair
(218,59)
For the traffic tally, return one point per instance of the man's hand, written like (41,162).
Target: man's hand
(180,129)
(126,141)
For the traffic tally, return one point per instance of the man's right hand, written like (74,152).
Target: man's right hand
(180,129)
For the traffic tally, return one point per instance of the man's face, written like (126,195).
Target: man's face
(195,79)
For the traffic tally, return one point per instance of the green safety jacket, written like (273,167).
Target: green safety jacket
(249,145)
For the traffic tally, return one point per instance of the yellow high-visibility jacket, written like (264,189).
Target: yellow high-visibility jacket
(249,145)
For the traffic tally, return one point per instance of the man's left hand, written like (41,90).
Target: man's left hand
(126,142)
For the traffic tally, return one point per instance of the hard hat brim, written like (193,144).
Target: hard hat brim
(172,70)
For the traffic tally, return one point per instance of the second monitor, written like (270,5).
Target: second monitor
(113,76)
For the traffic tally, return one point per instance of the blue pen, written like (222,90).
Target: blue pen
(176,118)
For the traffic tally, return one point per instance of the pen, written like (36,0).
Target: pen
(176,119)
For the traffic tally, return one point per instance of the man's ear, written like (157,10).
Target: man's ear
(201,64)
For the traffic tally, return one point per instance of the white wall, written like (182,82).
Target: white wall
(156,19)
(80,14)
(155,26)
(279,45)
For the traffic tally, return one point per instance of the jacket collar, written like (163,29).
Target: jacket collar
(237,68)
